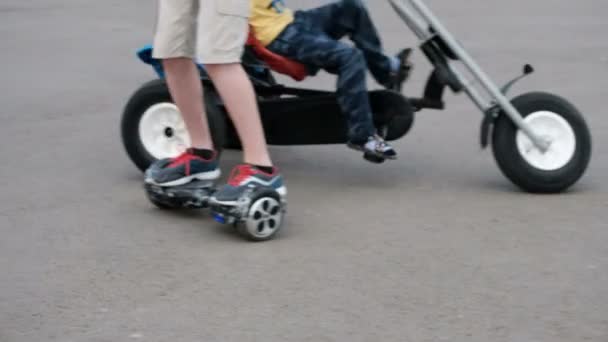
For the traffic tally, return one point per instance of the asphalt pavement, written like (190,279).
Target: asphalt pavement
(436,246)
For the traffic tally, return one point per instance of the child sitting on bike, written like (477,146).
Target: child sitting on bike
(312,37)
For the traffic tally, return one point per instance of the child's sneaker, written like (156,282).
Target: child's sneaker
(244,177)
(375,145)
(183,169)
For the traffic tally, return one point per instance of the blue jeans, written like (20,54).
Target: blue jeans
(313,39)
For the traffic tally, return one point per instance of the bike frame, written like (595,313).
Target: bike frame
(440,46)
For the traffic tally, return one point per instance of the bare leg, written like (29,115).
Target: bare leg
(186,90)
(237,93)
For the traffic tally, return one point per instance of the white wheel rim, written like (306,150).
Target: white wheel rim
(557,131)
(162,131)
(265,216)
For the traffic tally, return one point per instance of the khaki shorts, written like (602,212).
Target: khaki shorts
(211,31)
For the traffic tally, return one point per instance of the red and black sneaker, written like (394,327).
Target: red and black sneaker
(182,169)
(245,177)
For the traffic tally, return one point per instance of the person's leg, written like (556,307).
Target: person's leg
(351,18)
(237,92)
(317,50)
(184,84)
(322,51)
(222,31)
(174,44)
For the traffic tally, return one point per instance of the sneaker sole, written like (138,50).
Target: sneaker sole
(204,176)
(360,149)
(282,191)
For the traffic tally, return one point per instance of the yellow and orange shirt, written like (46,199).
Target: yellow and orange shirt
(268,19)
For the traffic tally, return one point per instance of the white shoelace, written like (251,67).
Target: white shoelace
(376,143)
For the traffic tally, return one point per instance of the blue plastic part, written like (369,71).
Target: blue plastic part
(219,218)
(145,55)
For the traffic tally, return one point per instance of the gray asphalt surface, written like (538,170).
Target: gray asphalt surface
(437,246)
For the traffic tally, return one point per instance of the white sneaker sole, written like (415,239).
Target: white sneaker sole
(377,154)
(282,191)
(204,176)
